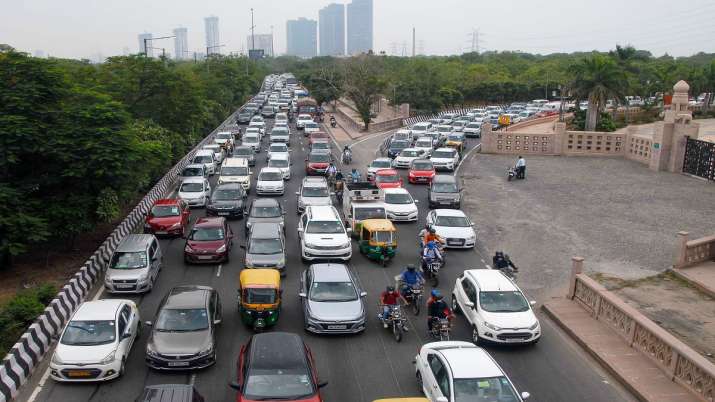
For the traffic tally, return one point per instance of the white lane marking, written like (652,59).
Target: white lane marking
(218,271)
(99,293)
(40,385)
(465,158)
(488,266)
(482,261)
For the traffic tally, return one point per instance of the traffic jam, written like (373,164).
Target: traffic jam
(280,228)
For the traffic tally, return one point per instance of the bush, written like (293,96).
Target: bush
(17,314)
(605,123)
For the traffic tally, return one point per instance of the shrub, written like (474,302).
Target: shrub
(18,313)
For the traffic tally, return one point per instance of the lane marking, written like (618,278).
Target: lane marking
(218,271)
(40,385)
(488,266)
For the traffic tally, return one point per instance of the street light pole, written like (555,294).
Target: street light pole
(153,39)
(253,38)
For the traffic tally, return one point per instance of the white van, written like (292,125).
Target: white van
(236,170)
(206,158)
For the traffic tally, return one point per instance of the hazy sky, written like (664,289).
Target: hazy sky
(84,28)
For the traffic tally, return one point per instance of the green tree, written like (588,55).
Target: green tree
(363,84)
(597,78)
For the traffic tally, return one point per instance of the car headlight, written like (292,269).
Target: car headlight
(107,280)
(534,326)
(188,248)
(143,277)
(310,245)
(221,249)
(176,225)
(56,359)
(208,350)
(150,351)
(491,326)
(109,358)
(281,263)
(345,245)
(472,237)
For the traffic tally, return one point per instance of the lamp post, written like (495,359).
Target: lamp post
(152,39)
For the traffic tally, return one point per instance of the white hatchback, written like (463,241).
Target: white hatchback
(270,182)
(96,341)
(196,191)
(453,226)
(302,119)
(399,205)
(282,162)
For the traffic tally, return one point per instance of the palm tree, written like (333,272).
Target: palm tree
(597,78)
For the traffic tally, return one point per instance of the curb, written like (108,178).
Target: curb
(696,283)
(555,318)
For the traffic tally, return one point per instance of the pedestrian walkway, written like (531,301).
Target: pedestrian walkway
(701,275)
(636,371)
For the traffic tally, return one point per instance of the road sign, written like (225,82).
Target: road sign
(504,120)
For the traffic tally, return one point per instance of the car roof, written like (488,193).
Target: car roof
(280,155)
(201,152)
(195,166)
(385,172)
(396,190)
(270,170)
(188,296)
(323,212)
(315,182)
(411,149)
(209,222)
(466,360)
(167,393)
(265,202)
(491,280)
(330,273)
(452,150)
(98,310)
(448,212)
(445,178)
(424,139)
(229,186)
(193,179)
(381,160)
(277,350)
(265,230)
(135,242)
(167,201)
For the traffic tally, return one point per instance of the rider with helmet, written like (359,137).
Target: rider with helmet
(502,261)
(390,297)
(432,252)
(437,308)
(410,278)
(355,175)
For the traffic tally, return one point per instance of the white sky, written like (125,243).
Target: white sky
(84,28)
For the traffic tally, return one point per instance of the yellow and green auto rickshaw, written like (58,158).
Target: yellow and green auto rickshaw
(378,240)
(259,297)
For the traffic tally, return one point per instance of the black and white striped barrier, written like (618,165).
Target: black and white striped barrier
(30,349)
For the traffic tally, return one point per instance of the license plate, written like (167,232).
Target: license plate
(455,243)
(178,364)
(337,326)
(161,232)
(514,340)
(79,373)
(123,285)
(223,214)
(205,257)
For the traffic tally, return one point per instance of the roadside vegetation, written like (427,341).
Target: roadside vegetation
(20,311)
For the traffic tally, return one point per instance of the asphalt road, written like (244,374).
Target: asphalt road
(358,368)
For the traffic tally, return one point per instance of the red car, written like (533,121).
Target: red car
(317,162)
(277,366)
(421,171)
(388,178)
(318,135)
(167,217)
(210,241)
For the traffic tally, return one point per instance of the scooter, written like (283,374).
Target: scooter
(431,267)
(511,174)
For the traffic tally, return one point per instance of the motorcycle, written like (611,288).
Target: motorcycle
(413,295)
(430,269)
(512,174)
(347,157)
(510,272)
(440,328)
(396,322)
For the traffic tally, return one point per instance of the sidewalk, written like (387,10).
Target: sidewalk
(702,276)
(634,370)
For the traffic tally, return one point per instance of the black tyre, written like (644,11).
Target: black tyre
(417,305)
(455,305)
(397,332)
(476,338)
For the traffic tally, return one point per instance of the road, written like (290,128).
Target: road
(358,368)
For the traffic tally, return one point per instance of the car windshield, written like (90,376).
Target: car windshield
(224,136)
(320,145)
(494,389)
(452,221)
(242,152)
(455,137)
(398,198)
(399,144)
(327,227)
(410,153)
(278,163)
(424,143)
(380,164)
(444,187)
(203,159)
(234,171)
(278,148)
(382,236)
(444,129)
(131,260)
(311,125)
(278,384)
(266,212)
(192,172)
(89,333)
(226,195)
(259,295)
(207,234)
(503,302)
(442,154)
(319,158)
(182,320)
(162,211)
(315,192)
(250,139)
(388,178)
(473,125)
(265,246)
(369,213)
(192,187)
(279,131)
(422,165)
(270,176)
(332,292)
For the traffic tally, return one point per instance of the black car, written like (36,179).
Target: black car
(245,152)
(396,146)
(228,199)
(244,117)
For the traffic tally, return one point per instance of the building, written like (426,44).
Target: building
(262,41)
(181,44)
(359,16)
(332,30)
(302,38)
(145,40)
(212,37)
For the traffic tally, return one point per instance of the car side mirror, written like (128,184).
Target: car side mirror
(243,246)
(148,323)
(126,335)
(321,384)
(363,294)
(532,303)
(469,304)
(302,294)
(235,385)
(416,201)
(297,193)
(525,395)
(217,321)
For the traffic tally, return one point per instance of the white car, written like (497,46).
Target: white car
(459,125)
(281,117)
(473,129)
(281,123)
(270,182)
(260,125)
(302,119)
(444,130)
(311,127)
(277,148)
(95,343)
(254,130)
(378,164)
(282,162)
(219,152)
(313,191)
(445,158)
(453,371)
(224,137)
(419,129)
(196,191)
(424,144)
(252,140)
(453,226)
(404,159)
(399,205)
(495,308)
(322,234)
(280,134)
(205,157)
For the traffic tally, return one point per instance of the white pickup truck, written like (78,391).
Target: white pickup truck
(362,200)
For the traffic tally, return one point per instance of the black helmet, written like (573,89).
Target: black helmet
(432,230)
(499,254)
(390,288)
(411,267)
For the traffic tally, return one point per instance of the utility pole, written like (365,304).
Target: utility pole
(153,39)
(546,87)
(253,38)
(413,41)
(272,54)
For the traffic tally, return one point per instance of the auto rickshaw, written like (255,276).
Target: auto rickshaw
(378,240)
(259,297)
(456,141)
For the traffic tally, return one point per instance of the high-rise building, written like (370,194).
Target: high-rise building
(262,41)
(332,30)
(181,44)
(145,40)
(302,37)
(359,14)
(212,38)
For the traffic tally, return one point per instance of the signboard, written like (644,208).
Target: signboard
(255,54)
(504,120)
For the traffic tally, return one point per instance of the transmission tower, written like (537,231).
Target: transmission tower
(474,40)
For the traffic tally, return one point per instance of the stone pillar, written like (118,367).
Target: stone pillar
(662,140)
(488,141)
(576,268)
(559,138)
(681,251)
(681,132)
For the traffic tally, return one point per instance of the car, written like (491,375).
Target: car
(453,371)
(193,170)
(280,134)
(196,191)
(403,134)
(236,170)
(281,123)
(277,366)
(252,140)
(319,144)
(225,139)
(183,335)
(265,210)
(218,152)
(277,148)
(453,226)
(244,117)
(302,119)
(317,162)
(421,171)
(170,393)
(448,118)
(270,181)
(333,301)
(495,308)
(404,159)
(474,129)
(268,112)
(254,130)
(437,138)
(96,342)
(399,205)
(459,125)
(311,127)
(134,265)
(245,152)
(394,147)
(281,117)
(281,162)
(456,141)
(445,159)
(205,157)
(318,136)
(258,121)
(388,178)
(444,192)
(167,217)
(424,144)
(444,130)
(378,164)
(209,242)
(313,191)
(418,129)
(265,247)
(228,200)
(323,234)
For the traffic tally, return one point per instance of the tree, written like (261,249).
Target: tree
(597,78)
(363,84)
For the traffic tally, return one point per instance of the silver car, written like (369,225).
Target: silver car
(333,301)
(135,265)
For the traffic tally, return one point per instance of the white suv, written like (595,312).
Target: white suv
(495,308)
(460,371)
(313,191)
(322,234)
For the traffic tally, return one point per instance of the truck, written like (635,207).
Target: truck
(308,106)
(362,200)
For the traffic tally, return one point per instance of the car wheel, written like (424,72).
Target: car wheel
(455,305)
(121,367)
(475,336)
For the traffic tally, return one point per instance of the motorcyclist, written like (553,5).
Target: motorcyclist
(410,279)
(437,308)
(347,154)
(355,174)
(502,261)
(432,236)
(330,172)
(431,252)
(389,298)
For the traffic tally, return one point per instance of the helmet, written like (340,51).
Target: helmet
(411,267)
(432,230)
(390,288)
(427,226)
(439,297)
(499,254)
(435,293)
